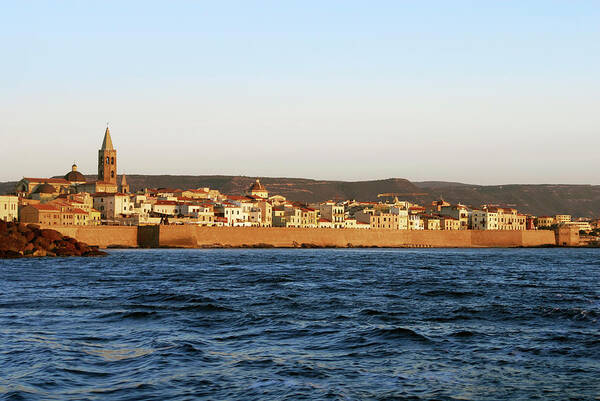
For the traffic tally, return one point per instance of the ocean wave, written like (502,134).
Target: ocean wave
(130,315)
(451,293)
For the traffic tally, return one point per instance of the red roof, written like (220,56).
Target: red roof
(166,202)
(106,194)
(238,198)
(48,180)
(45,207)
(322,220)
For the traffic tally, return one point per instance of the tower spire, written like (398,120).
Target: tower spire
(107,142)
(107,160)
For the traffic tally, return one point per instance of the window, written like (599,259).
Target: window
(107,159)
(112,174)
(112,160)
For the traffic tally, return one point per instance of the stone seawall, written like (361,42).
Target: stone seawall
(102,236)
(192,237)
(198,237)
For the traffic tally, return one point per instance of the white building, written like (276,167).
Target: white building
(484,220)
(402,214)
(165,207)
(9,208)
(234,214)
(415,222)
(112,205)
(334,213)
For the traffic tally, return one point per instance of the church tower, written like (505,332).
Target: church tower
(107,160)
(124,186)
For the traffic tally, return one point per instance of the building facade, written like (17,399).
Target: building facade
(9,208)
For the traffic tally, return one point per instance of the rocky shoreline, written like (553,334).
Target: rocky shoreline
(18,240)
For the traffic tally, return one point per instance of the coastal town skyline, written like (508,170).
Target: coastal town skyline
(74,200)
(346,93)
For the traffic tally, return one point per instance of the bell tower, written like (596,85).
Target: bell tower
(107,160)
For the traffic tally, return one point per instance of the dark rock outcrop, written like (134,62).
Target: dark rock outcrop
(19,240)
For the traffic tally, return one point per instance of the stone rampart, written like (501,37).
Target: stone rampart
(198,237)
(102,236)
(192,237)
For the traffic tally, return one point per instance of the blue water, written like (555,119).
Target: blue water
(309,324)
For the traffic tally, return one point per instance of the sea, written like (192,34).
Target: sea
(302,324)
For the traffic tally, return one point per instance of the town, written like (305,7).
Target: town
(74,201)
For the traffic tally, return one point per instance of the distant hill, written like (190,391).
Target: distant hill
(300,189)
(577,200)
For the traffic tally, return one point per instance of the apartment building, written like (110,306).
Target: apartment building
(9,208)
(484,220)
(334,213)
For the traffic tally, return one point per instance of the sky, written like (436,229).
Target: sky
(492,92)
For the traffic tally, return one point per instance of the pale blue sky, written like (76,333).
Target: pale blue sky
(473,91)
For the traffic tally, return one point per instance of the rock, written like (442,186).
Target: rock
(39,252)
(22,228)
(95,252)
(18,240)
(51,235)
(63,252)
(12,255)
(71,240)
(11,243)
(82,247)
(42,243)
(29,236)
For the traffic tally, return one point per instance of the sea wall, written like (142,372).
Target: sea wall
(192,237)
(102,236)
(197,237)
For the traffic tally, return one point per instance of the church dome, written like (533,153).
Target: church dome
(45,188)
(74,175)
(257,186)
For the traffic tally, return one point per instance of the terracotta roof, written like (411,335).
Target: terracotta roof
(48,180)
(106,194)
(322,220)
(45,188)
(74,176)
(166,202)
(238,198)
(46,207)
